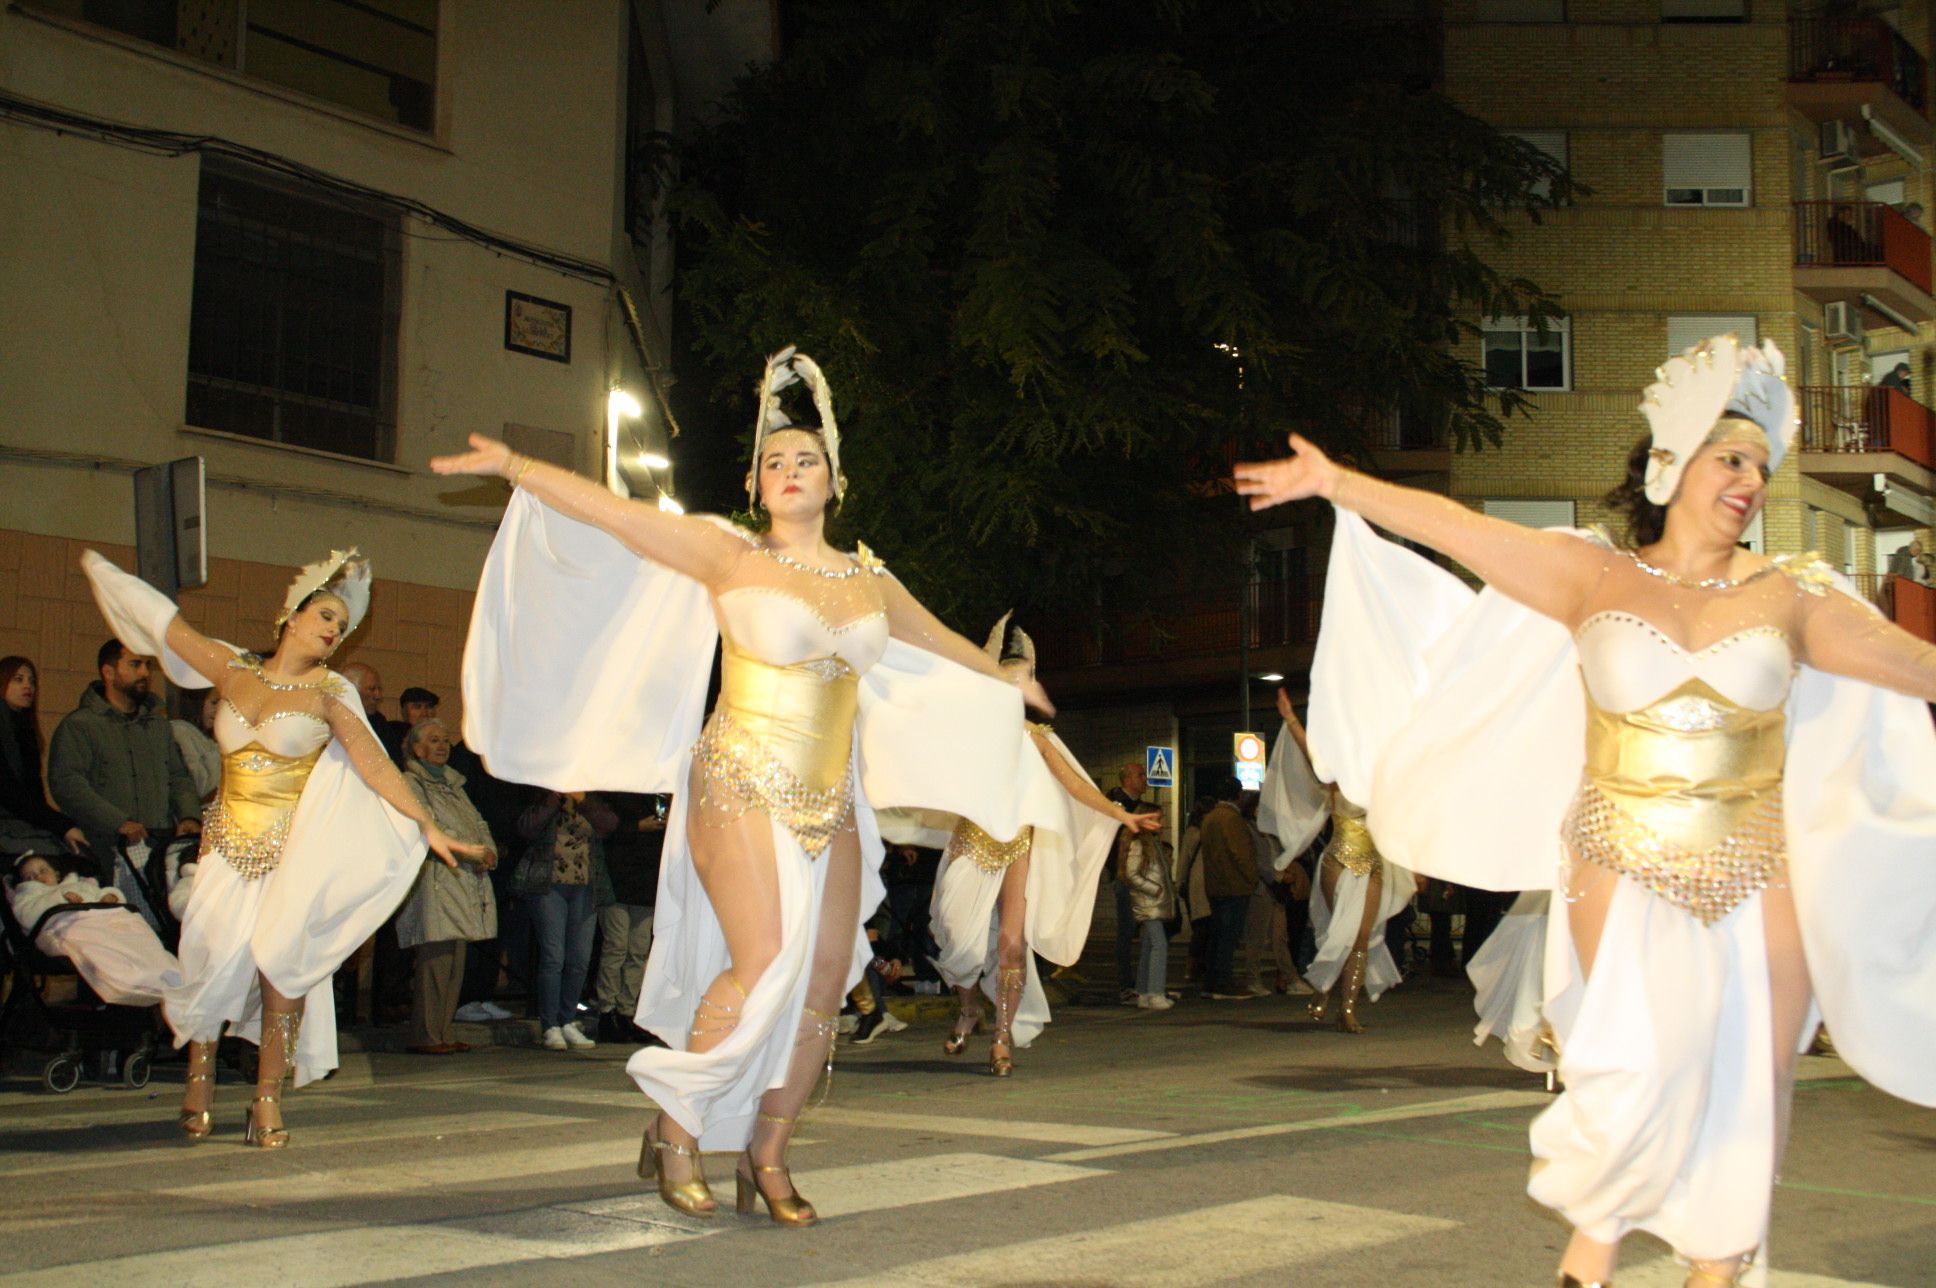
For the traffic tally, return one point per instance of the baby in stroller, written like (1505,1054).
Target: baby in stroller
(115,952)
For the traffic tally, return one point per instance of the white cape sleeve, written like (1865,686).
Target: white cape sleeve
(1456,719)
(586,666)
(1294,804)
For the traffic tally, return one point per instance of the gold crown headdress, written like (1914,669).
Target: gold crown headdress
(1718,379)
(1004,646)
(789,367)
(345,574)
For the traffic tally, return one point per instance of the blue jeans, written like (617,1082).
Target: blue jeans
(1153,966)
(1227,914)
(565,919)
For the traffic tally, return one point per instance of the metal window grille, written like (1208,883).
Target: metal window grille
(293,328)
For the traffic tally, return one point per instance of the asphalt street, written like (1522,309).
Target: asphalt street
(1229,1143)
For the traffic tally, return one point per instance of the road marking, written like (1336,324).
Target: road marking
(155,1109)
(1177,1251)
(169,1152)
(1491,1100)
(997,1128)
(1664,1273)
(566,1231)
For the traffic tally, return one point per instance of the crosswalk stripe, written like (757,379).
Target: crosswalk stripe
(995,1128)
(1491,1100)
(1172,1251)
(1666,1273)
(168,1152)
(152,1108)
(372,1254)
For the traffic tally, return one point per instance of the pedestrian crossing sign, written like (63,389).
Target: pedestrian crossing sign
(1159,766)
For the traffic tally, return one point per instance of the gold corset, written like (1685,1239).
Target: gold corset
(1351,844)
(984,851)
(1684,796)
(249,821)
(780,740)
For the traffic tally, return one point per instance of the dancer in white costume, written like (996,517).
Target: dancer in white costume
(997,904)
(312,842)
(1737,833)
(1508,976)
(587,669)
(1356,892)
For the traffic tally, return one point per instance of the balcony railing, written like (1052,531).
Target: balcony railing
(1847,48)
(1909,604)
(1865,418)
(1281,613)
(1861,234)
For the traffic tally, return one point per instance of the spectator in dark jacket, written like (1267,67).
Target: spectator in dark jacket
(28,824)
(632,854)
(1229,860)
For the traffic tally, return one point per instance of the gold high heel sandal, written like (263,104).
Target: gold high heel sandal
(957,1040)
(263,1137)
(693,1197)
(1001,1050)
(197,1124)
(1706,1272)
(792,1210)
(1350,989)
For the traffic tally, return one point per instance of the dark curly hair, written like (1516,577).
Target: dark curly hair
(1645,521)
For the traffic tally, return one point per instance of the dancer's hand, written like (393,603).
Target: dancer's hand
(1036,697)
(487,456)
(450,850)
(1145,822)
(1305,472)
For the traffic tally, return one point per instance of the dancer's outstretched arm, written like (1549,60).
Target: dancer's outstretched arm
(1549,572)
(374,766)
(1077,784)
(909,620)
(693,546)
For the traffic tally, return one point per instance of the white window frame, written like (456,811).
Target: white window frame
(1562,325)
(1745,325)
(1706,196)
(1554,143)
(1704,11)
(1528,11)
(1536,512)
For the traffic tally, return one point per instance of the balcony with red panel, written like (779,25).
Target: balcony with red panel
(1845,67)
(1864,254)
(1909,604)
(1853,435)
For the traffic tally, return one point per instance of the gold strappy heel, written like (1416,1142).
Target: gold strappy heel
(693,1197)
(958,1037)
(263,1137)
(1351,987)
(792,1210)
(1008,996)
(197,1124)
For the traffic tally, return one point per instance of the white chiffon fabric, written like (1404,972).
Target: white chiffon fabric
(1458,720)
(114,950)
(1508,976)
(1065,867)
(348,863)
(586,667)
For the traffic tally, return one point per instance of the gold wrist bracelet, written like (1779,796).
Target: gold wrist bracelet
(517,476)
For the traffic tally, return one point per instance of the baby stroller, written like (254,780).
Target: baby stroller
(119,1040)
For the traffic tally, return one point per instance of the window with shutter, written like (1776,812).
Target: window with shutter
(1684,330)
(1519,355)
(1703,10)
(1522,11)
(1533,514)
(1708,169)
(1552,143)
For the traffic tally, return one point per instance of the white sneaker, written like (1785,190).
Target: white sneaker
(472,1013)
(495,1011)
(890,1023)
(575,1036)
(1301,987)
(554,1038)
(1156,1002)
(846,1023)
(1258,990)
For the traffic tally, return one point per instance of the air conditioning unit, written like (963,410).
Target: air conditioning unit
(1837,141)
(1842,323)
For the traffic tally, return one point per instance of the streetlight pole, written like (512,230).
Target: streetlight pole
(1243,635)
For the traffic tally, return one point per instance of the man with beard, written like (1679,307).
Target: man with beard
(113,766)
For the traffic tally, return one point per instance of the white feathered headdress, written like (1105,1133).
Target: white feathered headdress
(1717,378)
(345,574)
(1004,646)
(789,367)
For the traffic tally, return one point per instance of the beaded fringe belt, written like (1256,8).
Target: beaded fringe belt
(737,773)
(984,851)
(251,854)
(1351,845)
(1708,883)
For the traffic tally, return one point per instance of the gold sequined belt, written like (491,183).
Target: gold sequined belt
(1708,883)
(249,821)
(1351,844)
(984,851)
(738,772)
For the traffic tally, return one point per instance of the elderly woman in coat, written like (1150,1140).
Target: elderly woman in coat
(448,907)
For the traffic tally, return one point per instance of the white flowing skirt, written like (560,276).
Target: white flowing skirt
(1336,928)
(1508,976)
(115,952)
(235,931)
(1667,1123)
(965,918)
(715,1094)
